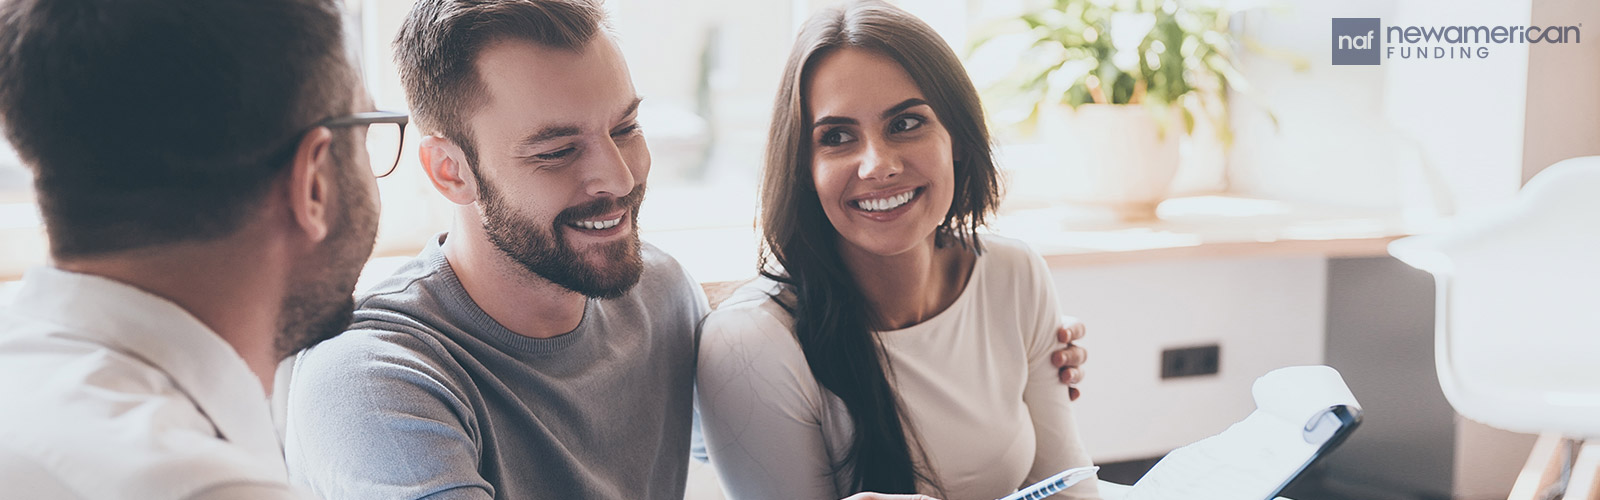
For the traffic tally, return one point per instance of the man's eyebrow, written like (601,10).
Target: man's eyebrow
(632,107)
(559,131)
(893,110)
(551,132)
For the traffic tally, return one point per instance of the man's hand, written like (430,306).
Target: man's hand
(881,496)
(1071,358)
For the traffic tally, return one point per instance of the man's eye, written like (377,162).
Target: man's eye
(835,137)
(626,130)
(556,155)
(905,123)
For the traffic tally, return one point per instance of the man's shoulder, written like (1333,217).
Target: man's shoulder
(105,424)
(664,280)
(660,265)
(406,286)
(168,463)
(368,373)
(47,373)
(373,350)
(405,315)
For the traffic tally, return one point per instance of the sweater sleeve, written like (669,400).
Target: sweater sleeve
(1049,404)
(371,418)
(760,409)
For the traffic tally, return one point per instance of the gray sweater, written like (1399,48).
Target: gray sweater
(426,396)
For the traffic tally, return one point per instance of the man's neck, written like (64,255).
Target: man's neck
(240,304)
(519,300)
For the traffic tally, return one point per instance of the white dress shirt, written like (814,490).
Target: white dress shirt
(107,391)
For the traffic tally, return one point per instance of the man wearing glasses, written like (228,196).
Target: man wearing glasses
(209,206)
(539,349)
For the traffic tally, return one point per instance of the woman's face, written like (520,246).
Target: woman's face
(881,160)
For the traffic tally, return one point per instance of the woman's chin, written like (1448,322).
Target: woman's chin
(887,244)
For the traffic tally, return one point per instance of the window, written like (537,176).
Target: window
(708,70)
(16,183)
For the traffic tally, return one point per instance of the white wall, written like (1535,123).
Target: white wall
(1406,134)
(1265,314)
(1465,116)
(1563,110)
(1330,145)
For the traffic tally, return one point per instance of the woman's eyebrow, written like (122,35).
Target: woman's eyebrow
(893,110)
(904,105)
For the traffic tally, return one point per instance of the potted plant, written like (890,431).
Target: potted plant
(1109,85)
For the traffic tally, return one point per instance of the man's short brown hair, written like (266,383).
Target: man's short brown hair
(439,43)
(150,122)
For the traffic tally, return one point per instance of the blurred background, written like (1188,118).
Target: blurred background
(1197,173)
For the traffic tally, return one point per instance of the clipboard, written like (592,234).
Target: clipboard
(1302,414)
(1332,428)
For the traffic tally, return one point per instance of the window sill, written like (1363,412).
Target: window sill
(1199,227)
(1202,227)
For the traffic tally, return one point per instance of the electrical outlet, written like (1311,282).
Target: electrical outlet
(1191,361)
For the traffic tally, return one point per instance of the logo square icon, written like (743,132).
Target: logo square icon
(1357,40)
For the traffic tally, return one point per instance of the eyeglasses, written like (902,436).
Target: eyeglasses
(386,135)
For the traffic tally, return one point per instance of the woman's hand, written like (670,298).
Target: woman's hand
(1071,358)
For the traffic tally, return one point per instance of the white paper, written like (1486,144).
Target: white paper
(1298,393)
(1254,457)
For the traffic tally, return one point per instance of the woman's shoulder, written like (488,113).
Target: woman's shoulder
(760,296)
(753,313)
(1006,248)
(1010,256)
(751,337)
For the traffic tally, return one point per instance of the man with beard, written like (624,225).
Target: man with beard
(538,349)
(209,204)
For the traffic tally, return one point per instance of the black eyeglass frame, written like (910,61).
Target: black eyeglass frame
(372,118)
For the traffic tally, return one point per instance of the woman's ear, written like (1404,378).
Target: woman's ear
(310,184)
(446,165)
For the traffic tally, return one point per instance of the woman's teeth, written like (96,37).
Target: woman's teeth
(886,204)
(605,224)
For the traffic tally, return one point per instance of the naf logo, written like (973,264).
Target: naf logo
(1357,40)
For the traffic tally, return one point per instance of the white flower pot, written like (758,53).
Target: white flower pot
(1117,156)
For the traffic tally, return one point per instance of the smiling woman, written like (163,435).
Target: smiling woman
(887,347)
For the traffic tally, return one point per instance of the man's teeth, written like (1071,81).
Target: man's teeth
(885,204)
(605,224)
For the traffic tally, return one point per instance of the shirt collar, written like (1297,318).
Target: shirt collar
(164,335)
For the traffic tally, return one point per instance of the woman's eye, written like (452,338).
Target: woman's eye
(835,138)
(905,123)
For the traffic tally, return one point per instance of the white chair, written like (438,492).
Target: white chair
(1517,341)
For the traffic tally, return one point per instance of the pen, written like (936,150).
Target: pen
(1053,485)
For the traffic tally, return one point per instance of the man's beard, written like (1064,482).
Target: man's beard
(546,253)
(319,304)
